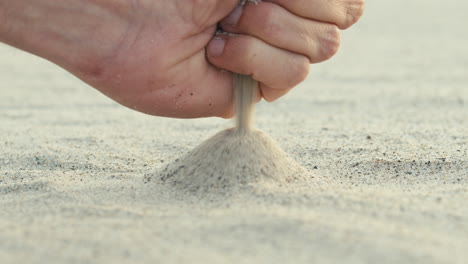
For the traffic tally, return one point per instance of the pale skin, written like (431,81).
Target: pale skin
(162,58)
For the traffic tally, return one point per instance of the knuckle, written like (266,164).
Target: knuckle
(266,94)
(330,43)
(300,70)
(354,11)
(269,22)
(272,94)
(270,98)
(201,11)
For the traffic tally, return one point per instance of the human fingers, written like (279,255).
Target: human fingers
(277,26)
(272,94)
(271,66)
(343,13)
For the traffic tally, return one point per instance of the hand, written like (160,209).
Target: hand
(280,38)
(150,55)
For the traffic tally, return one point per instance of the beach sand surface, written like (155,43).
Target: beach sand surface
(382,129)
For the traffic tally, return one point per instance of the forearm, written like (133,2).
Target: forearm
(62,31)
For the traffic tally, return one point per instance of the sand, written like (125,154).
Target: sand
(245,91)
(382,129)
(229,162)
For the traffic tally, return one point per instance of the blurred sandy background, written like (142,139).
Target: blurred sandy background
(382,128)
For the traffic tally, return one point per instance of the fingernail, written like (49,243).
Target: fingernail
(216,46)
(233,17)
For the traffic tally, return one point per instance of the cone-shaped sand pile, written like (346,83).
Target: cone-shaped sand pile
(234,157)
(231,159)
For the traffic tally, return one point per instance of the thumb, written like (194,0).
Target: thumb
(209,12)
